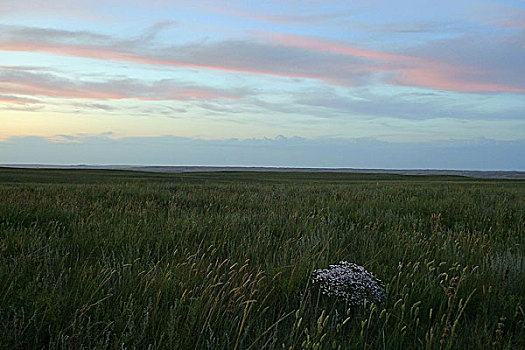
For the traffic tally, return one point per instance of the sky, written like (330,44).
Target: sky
(364,84)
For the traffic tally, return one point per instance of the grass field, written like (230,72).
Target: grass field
(124,260)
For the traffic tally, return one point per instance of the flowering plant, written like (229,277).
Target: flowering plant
(350,282)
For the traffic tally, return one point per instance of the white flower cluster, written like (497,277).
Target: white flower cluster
(350,282)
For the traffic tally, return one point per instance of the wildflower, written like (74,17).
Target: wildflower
(349,282)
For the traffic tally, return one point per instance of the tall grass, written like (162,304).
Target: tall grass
(115,260)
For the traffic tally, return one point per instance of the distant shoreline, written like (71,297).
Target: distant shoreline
(487,174)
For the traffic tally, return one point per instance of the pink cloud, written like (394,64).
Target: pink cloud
(14,100)
(409,70)
(116,55)
(518,23)
(399,69)
(34,89)
(30,84)
(438,79)
(316,44)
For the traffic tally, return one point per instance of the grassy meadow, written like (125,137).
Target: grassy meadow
(128,260)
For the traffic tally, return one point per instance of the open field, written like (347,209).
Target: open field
(480,174)
(116,259)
